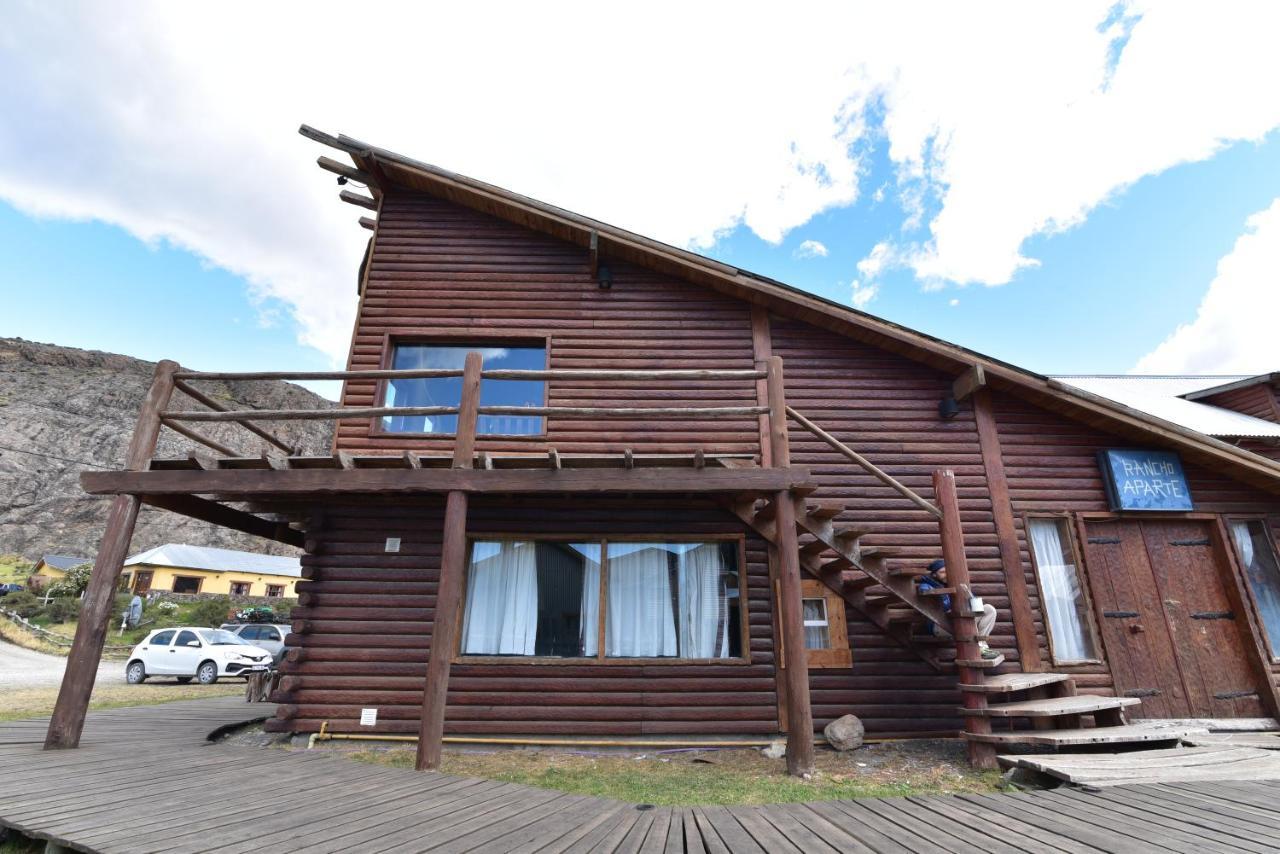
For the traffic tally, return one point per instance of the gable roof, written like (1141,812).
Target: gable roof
(64,561)
(1234,383)
(387,168)
(1169,397)
(217,560)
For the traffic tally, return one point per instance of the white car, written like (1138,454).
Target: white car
(195,653)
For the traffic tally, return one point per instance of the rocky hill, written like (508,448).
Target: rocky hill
(64,410)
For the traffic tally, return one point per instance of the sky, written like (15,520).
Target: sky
(1072,187)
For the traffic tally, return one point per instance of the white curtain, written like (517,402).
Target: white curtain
(1264,577)
(704,617)
(817,631)
(501,616)
(641,622)
(1062,595)
(591,609)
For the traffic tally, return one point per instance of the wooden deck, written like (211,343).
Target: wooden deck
(147,780)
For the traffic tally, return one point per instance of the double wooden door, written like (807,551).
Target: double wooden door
(1172,636)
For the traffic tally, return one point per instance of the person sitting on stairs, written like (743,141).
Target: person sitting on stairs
(936,578)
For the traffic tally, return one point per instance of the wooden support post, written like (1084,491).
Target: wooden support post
(95,612)
(795,660)
(1024,622)
(453,556)
(963,626)
(444,632)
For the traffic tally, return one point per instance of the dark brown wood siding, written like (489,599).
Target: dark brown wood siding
(886,407)
(1261,401)
(1052,468)
(369,616)
(444,272)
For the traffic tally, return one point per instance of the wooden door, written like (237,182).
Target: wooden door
(1170,634)
(143,582)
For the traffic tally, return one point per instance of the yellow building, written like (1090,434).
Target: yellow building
(181,568)
(51,568)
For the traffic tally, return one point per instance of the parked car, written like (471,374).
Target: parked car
(202,654)
(269,636)
(6,589)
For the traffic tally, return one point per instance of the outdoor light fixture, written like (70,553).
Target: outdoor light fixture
(948,408)
(604,276)
(342,179)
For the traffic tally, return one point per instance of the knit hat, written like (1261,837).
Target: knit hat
(936,565)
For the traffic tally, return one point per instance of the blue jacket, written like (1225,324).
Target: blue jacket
(928,582)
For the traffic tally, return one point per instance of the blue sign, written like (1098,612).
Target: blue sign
(1144,480)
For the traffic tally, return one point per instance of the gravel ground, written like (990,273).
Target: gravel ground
(25,668)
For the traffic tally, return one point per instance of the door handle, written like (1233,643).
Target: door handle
(1137,628)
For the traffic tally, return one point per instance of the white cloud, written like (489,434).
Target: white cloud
(811,249)
(1234,328)
(953,302)
(177,121)
(864,290)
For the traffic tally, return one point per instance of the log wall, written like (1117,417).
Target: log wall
(368,617)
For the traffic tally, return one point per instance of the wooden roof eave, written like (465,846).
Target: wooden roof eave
(614,242)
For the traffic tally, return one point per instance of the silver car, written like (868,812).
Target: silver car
(268,636)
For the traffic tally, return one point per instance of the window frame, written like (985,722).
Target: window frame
(279,587)
(199,580)
(248,588)
(1077,556)
(839,654)
(1242,572)
(454,338)
(459,657)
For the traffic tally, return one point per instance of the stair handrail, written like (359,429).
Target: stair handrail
(870,467)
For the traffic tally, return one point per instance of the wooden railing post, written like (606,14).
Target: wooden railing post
(86,649)
(453,555)
(964,627)
(795,665)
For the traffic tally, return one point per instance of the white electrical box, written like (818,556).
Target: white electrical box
(393,544)
(368,717)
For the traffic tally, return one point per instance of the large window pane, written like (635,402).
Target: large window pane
(1258,557)
(1063,596)
(532,598)
(447,391)
(672,600)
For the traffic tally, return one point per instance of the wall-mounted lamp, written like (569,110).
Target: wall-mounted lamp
(948,408)
(604,277)
(342,179)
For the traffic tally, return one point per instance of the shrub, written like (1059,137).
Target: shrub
(210,612)
(62,610)
(74,583)
(167,608)
(22,602)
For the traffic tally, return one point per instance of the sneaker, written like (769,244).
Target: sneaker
(989,654)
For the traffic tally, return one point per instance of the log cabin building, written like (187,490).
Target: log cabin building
(587,485)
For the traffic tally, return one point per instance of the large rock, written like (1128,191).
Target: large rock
(845,733)
(64,411)
(775,749)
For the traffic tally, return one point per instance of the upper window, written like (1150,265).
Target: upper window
(161,639)
(1257,552)
(185,637)
(1062,596)
(662,600)
(447,391)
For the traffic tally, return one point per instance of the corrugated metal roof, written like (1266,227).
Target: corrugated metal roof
(64,561)
(217,560)
(1159,396)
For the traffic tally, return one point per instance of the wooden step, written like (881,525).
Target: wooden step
(1127,734)
(1009,682)
(848,532)
(882,601)
(868,552)
(907,618)
(857,581)
(766,512)
(836,564)
(906,571)
(1079,704)
(937,591)
(813,548)
(823,509)
(981,663)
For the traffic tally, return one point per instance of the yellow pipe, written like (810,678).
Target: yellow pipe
(324,735)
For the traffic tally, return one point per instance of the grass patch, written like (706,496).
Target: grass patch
(724,777)
(21,637)
(19,703)
(16,843)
